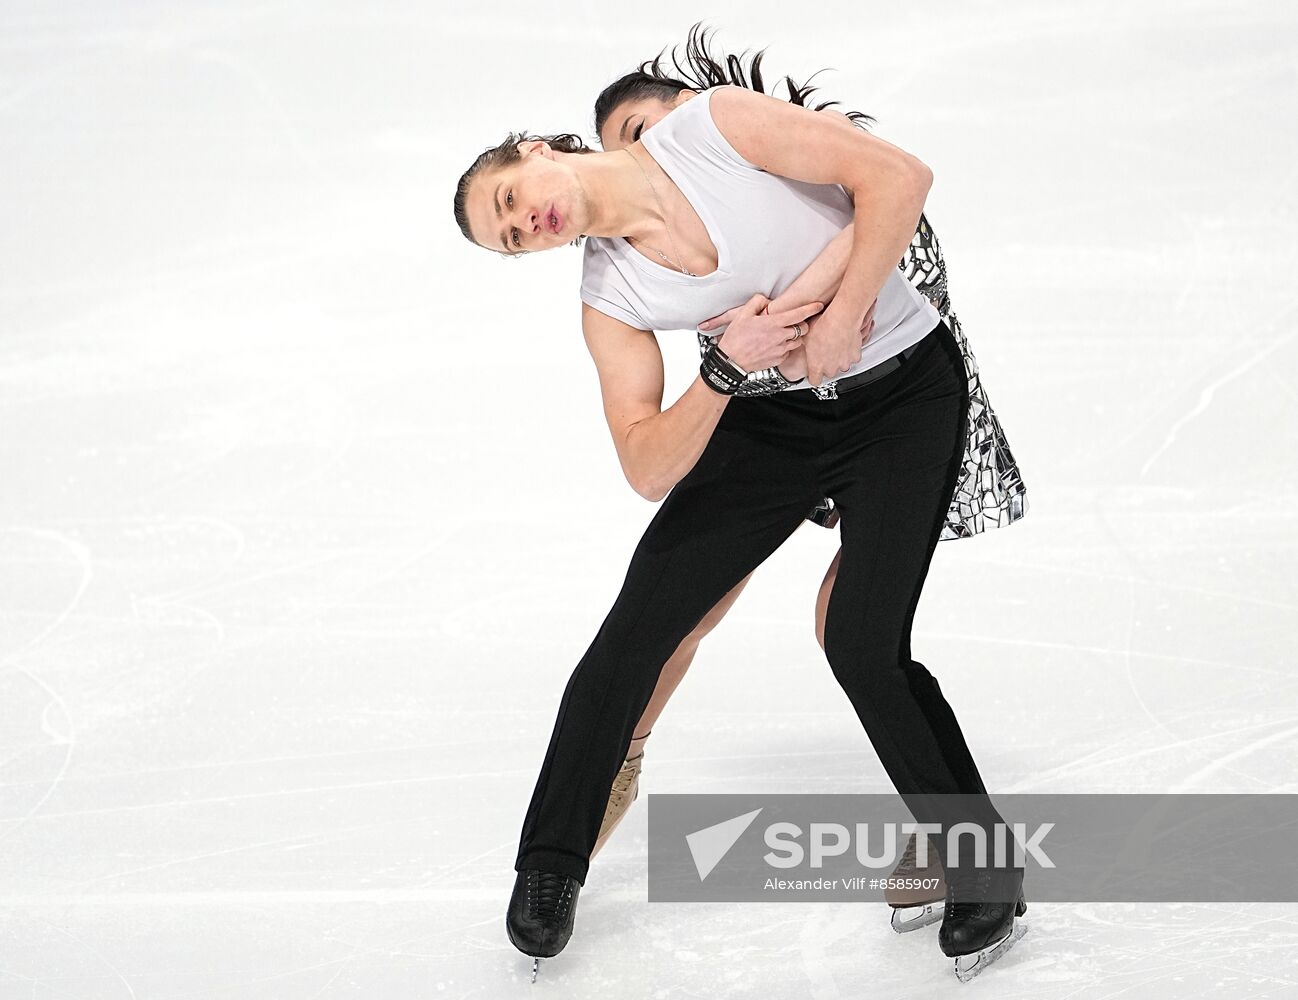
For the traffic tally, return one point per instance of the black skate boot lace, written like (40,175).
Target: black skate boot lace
(974,887)
(549,896)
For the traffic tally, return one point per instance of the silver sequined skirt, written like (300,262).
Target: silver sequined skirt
(990,492)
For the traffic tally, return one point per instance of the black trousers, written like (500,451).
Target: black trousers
(889,454)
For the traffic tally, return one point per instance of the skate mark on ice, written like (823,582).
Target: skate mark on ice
(1209,391)
(130,991)
(1187,784)
(83,559)
(1094,760)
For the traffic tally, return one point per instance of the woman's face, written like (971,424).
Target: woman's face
(533,204)
(628,120)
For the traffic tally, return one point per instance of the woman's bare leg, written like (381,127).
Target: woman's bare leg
(822,598)
(674,669)
(626,785)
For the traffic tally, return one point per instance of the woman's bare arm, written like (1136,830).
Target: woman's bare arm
(817,283)
(820,280)
(887,184)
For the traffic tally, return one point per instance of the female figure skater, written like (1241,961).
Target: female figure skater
(745,190)
(990,493)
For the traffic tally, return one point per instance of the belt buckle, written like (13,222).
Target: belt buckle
(826,390)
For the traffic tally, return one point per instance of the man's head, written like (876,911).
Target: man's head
(523,195)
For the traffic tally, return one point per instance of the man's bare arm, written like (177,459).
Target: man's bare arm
(656,447)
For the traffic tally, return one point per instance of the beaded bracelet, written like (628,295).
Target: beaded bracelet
(764,382)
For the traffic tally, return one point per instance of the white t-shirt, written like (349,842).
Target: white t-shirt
(766,228)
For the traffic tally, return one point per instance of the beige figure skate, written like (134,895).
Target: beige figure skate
(917,906)
(625,790)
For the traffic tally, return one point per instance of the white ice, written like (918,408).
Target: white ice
(309,507)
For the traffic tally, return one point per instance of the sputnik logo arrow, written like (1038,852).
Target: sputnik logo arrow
(709,845)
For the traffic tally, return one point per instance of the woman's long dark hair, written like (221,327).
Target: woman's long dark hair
(698,68)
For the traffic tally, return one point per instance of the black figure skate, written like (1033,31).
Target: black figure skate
(977,928)
(541,914)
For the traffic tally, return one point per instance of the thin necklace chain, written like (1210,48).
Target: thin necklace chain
(663,209)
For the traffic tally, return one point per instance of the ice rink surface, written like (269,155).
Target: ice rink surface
(309,507)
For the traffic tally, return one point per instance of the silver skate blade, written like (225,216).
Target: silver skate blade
(536,967)
(912,918)
(968,966)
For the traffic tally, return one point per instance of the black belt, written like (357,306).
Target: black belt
(832,389)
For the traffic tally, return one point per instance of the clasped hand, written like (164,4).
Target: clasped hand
(755,338)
